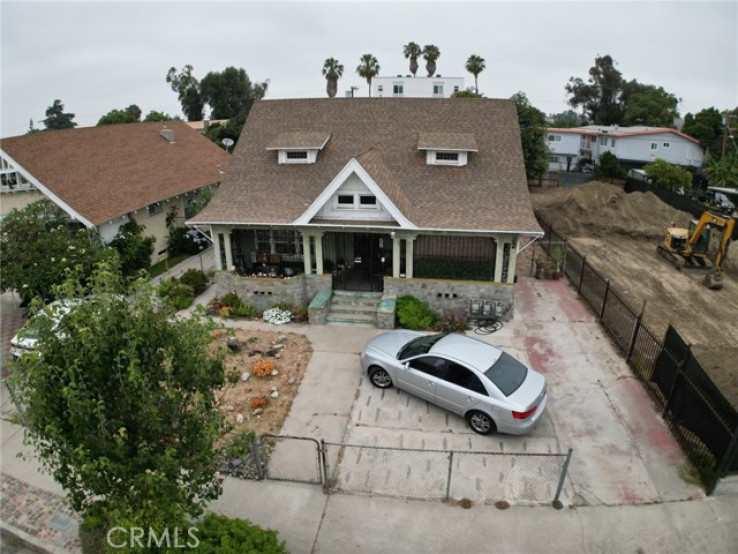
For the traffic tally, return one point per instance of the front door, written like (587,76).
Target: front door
(362,271)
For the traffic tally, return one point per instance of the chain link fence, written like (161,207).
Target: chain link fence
(478,476)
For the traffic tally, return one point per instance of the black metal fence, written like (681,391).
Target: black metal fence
(481,477)
(701,419)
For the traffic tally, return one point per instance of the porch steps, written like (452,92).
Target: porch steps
(354,308)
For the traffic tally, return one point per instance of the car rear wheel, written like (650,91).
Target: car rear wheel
(380,378)
(481,423)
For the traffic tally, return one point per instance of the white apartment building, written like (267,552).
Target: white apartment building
(416,87)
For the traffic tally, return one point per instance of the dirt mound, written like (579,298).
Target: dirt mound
(598,209)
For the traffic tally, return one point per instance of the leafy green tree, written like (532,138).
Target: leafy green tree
(654,107)
(120,404)
(199,201)
(475,65)
(39,243)
(131,114)
(566,120)
(609,167)
(368,69)
(668,177)
(332,71)
(188,89)
(599,95)
(533,126)
(32,129)
(230,93)
(158,116)
(412,51)
(56,118)
(134,249)
(431,53)
(707,127)
(723,172)
(216,132)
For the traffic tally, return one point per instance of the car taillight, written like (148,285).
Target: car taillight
(524,415)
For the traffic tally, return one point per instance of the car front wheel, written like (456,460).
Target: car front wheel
(380,378)
(481,423)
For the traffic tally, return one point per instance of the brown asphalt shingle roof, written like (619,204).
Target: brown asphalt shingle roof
(490,193)
(108,171)
(304,139)
(447,141)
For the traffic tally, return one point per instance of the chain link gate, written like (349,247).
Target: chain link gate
(288,458)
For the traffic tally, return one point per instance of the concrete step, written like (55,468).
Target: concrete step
(365,320)
(354,308)
(352,294)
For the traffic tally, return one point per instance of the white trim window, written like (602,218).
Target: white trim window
(654,146)
(345,201)
(666,145)
(368,202)
(437,89)
(398,89)
(554,159)
(155,209)
(555,138)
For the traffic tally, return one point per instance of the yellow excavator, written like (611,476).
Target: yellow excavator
(692,245)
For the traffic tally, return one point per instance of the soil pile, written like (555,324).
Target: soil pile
(598,209)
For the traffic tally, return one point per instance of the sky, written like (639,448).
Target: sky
(105,55)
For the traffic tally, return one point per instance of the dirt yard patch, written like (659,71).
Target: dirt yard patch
(266,368)
(619,233)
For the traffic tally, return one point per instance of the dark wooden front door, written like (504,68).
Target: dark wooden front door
(364,272)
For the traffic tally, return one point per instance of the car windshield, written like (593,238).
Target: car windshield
(507,374)
(418,346)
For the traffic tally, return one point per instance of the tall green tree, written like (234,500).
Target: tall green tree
(39,244)
(368,69)
(57,118)
(653,107)
(533,126)
(609,167)
(599,96)
(475,65)
(153,115)
(187,88)
(723,171)
(566,120)
(332,71)
(412,51)
(131,114)
(120,403)
(134,249)
(707,127)
(431,53)
(667,176)
(467,93)
(230,92)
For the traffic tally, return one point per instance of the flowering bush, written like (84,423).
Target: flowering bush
(451,323)
(263,368)
(277,316)
(258,402)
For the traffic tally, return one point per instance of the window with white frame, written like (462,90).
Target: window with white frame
(603,141)
(380,88)
(456,88)
(612,143)
(278,241)
(398,89)
(666,145)
(155,209)
(554,159)
(447,156)
(345,201)
(654,146)
(367,201)
(555,138)
(297,154)
(437,89)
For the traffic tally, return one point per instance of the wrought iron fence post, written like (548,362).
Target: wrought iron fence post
(563,475)
(323,463)
(563,262)
(581,274)
(256,451)
(634,336)
(730,453)
(604,298)
(450,469)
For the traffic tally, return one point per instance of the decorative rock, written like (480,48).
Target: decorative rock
(233,344)
(245,376)
(274,389)
(275,372)
(277,347)
(230,408)
(239,419)
(257,411)
(281,338)
(275,394)
(291,381)
(277,356)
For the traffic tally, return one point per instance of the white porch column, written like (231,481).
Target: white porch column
(396,255)
(500,252)
(228,251)
(511,261)
(409,241)
(318,253)
(215,234)
(307,262)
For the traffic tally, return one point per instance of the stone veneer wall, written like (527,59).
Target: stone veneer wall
(264,292)
(451,296)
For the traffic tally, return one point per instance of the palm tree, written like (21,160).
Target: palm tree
(413,51)
(368,68)
(475,65)
(332,70)
(430,54)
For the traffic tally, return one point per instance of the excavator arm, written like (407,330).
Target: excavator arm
(714,279)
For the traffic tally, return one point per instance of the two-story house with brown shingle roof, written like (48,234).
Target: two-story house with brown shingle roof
(421,196)
(105,176)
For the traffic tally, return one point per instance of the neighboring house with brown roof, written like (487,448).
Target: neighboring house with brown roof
(401,196)
(105,176)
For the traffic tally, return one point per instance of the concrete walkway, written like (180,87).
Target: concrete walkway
(627,493)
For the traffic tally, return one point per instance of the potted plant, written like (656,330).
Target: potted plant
(557,255)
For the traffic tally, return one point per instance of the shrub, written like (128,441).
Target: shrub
(176,294)
(181,243)
(263,368)
(232,305)
(223,535)
(451,323)
(414,314)
(258,402)
(196,279)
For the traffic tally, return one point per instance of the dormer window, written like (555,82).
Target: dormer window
(299,147)
(447,148)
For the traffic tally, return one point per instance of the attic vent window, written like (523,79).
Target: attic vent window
(447,157)
(297,155)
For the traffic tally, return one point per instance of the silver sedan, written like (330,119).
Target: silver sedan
(490,388)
